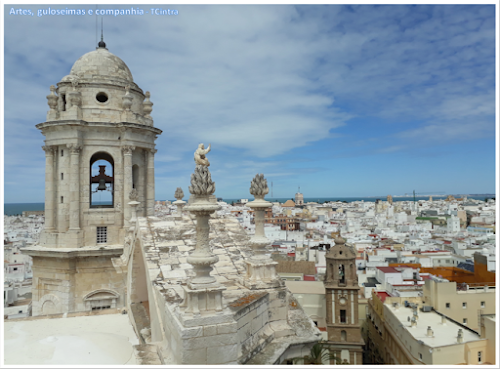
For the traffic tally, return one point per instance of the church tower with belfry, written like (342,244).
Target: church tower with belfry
(341,288)
(99,172)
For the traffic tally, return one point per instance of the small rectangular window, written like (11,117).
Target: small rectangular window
(464,320)
(62,176)
(102,234)
(447,305)
(420,355)
(483,304)
(479,356)
(62,199)
(464,305)
(62,152)
(15,268)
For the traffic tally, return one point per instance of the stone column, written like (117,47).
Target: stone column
(49,188)
(127,183)
(261,269)
(150,189)
(202,258)
(74,187)
(203,292)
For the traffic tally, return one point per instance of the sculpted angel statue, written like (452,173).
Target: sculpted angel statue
(199,155)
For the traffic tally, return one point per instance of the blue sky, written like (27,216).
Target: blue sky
(339,100)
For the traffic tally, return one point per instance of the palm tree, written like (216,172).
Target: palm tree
(319,353)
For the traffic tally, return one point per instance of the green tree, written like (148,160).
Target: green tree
(318,355)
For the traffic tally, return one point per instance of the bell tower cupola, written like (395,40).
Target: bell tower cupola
(99,173)
(99,148)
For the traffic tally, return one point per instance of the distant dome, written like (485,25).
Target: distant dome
(100,62)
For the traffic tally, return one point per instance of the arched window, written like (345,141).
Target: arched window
(102,180)
(343,336)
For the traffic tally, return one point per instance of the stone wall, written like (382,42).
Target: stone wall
(62,284)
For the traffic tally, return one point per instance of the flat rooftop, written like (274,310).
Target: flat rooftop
(306,287)
(83,340)
(444,334)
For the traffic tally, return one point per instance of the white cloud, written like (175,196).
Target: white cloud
(259,82)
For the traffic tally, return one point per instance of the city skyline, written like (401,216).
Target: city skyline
(342,101)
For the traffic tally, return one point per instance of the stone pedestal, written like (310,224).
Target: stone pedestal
(180,205)
(203,294)
(203,301)
(261,269)
(202,257)
(133,209)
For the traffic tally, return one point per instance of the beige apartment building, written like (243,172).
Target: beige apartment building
(462,304)
(403,334)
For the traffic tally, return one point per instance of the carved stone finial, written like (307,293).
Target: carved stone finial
(179,194)
(147,105)
(199,155)
(127,99)
(201,182)
(52,98)
(133,195)
(261,269)
(258,186)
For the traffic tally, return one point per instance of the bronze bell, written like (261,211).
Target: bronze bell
(102,185)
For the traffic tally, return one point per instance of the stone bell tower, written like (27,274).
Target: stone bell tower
(99,156)
(341,287)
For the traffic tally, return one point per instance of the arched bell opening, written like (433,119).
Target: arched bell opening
(135,176)
(102,180)
(341,274)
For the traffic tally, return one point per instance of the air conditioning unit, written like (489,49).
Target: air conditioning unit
(426,308)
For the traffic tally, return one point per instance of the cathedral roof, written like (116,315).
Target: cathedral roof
(100,63)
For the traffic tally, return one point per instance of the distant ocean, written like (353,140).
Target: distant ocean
(15,209)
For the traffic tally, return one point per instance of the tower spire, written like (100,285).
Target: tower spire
(101,43)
